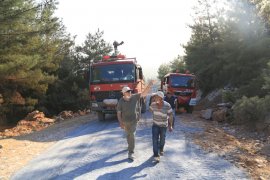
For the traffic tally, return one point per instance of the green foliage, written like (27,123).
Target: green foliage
(65,92)
(228,48)
(251,110)
(229,96)
(254,88)
(32,45)
(93,49)
(163,70)
(202,50)
(176,65)
(71,90)
(263,7)
(266,76)
(66,95)
(38,68)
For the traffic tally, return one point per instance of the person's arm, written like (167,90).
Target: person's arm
(147,89)
(176,104)
(170,114)
(151,108)
(119,114)
(119,117)
(170,122)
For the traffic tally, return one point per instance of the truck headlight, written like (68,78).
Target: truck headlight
(94,105)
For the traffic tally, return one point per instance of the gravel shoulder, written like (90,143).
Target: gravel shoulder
(245,149)
(16,152)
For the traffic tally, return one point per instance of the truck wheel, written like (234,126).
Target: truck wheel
(101,116)
(143,107)
(189,109)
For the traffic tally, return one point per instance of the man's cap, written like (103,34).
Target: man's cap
(126,89)
(160,94)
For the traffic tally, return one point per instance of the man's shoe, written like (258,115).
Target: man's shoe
(131,156)
(161,153)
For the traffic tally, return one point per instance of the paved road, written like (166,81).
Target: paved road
(98,150)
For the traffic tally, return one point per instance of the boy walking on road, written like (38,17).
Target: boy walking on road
(127,114)
(161,111)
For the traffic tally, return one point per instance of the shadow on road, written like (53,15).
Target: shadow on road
(94,165)
(129,172)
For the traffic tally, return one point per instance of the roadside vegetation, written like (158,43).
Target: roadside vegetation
(41,68)
(229,49)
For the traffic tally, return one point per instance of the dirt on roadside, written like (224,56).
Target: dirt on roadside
(242,148)
(16,152)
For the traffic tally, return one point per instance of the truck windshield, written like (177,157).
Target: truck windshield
(113,73)
(182,81)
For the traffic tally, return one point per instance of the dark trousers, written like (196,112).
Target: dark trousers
(158,137)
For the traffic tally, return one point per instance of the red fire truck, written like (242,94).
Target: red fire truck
(183,86)
(108,77)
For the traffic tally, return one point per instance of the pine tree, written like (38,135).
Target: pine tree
(178,65)
(33,43)
(163,70)
(202,51)
(266,76)
(229,48)
(93,49)
(70,91)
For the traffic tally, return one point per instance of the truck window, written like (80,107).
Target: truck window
(113,73)
(182,81)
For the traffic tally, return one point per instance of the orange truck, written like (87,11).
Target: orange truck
(183,86)
(108,77)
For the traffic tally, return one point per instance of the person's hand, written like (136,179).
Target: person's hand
(122,125)
(170,128)
(152,82)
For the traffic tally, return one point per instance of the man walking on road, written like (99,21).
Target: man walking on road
(161,112)
(127,114)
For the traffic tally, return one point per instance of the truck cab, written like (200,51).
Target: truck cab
(108,77)
(183,86)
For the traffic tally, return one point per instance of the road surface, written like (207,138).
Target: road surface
(98,150)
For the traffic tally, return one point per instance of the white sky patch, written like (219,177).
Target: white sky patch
(152,30)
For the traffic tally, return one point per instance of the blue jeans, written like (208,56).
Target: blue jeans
(158,137)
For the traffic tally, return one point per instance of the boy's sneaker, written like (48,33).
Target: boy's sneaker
(157,159)
(131,156)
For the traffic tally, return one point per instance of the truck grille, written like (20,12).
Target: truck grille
(100,96)
(182,93)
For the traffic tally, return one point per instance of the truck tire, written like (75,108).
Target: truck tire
(101,116)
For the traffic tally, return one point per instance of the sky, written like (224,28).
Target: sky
(152,30)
